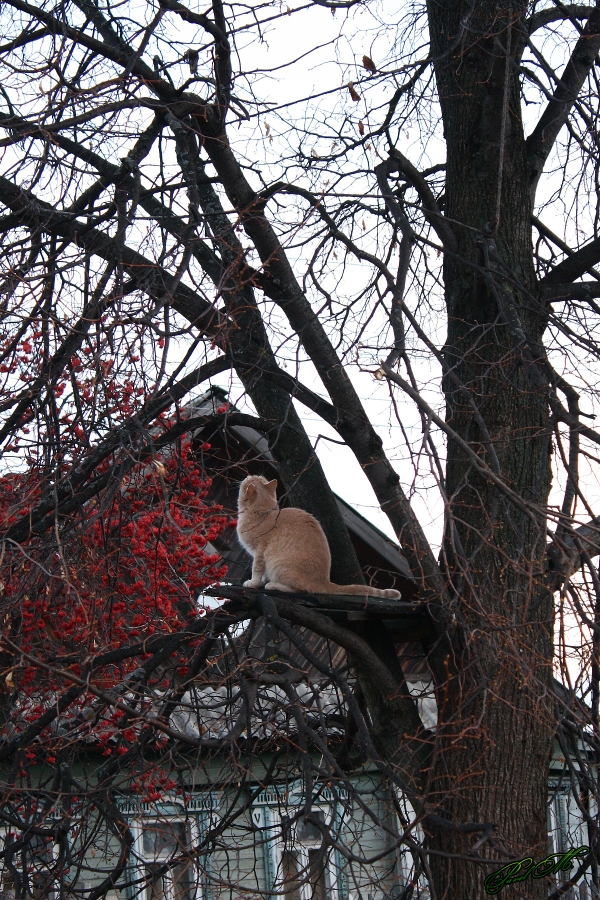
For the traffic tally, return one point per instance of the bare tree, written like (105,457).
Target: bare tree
(144,253)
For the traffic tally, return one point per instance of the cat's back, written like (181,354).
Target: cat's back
(299,522)
(274,526)
(297,553)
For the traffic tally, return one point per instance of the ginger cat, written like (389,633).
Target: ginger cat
(289,548)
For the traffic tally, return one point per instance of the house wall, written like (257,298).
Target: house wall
(247,857)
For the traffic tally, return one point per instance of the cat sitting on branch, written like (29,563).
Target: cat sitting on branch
(288,546)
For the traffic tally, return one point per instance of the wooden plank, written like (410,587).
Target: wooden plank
(415,612)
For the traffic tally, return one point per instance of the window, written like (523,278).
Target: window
(165,862)
(557,823)
(409,866)
(305,868)
(7,886)
(33,866)
(567,830)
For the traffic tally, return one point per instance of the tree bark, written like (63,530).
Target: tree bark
(496,721)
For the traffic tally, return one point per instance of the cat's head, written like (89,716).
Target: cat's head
(257,491)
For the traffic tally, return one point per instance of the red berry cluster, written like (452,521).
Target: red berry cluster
(130,566)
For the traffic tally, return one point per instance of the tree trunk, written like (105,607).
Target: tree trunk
(496,716)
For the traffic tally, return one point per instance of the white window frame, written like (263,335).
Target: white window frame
(568,827)
(300,849)
(405,865)
(192,827)
(559,829)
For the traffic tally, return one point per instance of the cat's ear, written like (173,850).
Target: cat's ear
(250,492)
(272,485)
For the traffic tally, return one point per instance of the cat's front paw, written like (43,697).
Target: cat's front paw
(251,584)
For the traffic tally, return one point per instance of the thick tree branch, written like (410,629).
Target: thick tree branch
(406,245)
(239,597)
(112,47)
(432,212)
(156,281)
(581,290)
(576,265)
(565,553)
(73,492)
(558,241)
(559,13)
(196,19)
(541,140)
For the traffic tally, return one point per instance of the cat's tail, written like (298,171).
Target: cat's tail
(362,590)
